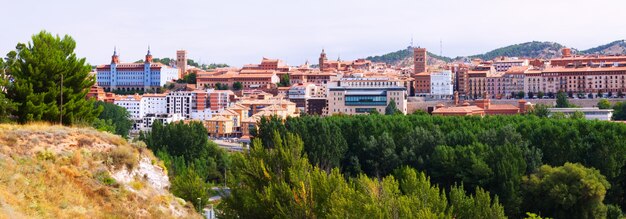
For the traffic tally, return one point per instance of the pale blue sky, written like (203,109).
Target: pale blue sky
(241,32)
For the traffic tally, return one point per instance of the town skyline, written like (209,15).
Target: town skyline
(220,36)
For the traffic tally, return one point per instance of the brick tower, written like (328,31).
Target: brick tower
(181,62)
(419,59)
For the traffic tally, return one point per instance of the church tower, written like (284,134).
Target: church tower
(419,60)
(181,62)
(114,58)
(322,60)
(149,56)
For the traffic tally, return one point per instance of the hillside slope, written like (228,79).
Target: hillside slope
(615,47)
(533,49)
(60,172)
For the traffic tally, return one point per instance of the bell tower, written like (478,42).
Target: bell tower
(419,60)
(114,58)
(149,56)
(322,60)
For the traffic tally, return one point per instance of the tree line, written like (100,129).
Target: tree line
(504,155)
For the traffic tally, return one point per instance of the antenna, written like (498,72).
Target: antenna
(440,47)
(411,41)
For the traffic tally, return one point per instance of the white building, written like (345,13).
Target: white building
(363,95)
(132,104)
(590,112)
(154,104)
(149,119)
(190,104)
(134,76)
(441,85)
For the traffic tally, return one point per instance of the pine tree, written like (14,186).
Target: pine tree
(39,69)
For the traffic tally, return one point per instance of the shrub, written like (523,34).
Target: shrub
(45,155)
(120,156)
(104,177)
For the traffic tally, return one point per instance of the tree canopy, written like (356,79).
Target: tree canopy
(49,82)
(492,152)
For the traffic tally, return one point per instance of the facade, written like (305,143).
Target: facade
(441,85)
(504,64)
(422,84)
(586,80)
(149,119)
(477,83)
(533,83)
(134,76)
(264,80)
(154,104)
(364,95)
(514,81)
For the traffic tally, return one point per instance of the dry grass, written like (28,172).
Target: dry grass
(60,172)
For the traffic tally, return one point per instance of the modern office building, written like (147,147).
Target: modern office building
(362,95)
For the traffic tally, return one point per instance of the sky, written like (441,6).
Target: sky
(239,32)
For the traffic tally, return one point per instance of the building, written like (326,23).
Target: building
(364,95)
(181,62)
(569,60)
(586,80)
(504,64)
(482,107)
(343,66)
(533,83)
(441,85)
(134,76)
(514,80)
(422,84)
(155,104)
(256,80)
(308,97)
(148,120)
(420,57)
(590,112)
(219,126)
(477,83)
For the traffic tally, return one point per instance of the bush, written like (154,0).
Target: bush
(105,178)
(120,156)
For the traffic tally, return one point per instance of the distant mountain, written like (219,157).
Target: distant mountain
(402,57)
(615,47)
(534,49)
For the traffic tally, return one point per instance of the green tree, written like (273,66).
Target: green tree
(479,205)
(561,100)
(237,86)
(577,115)
(190,186)
(540,110)
(7,107)
(604,104)
(520,95)
(190,78)
(391,108)
(568,191)
(284,81)
(119,117)
(540,94)
(43,69)
(619,111)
